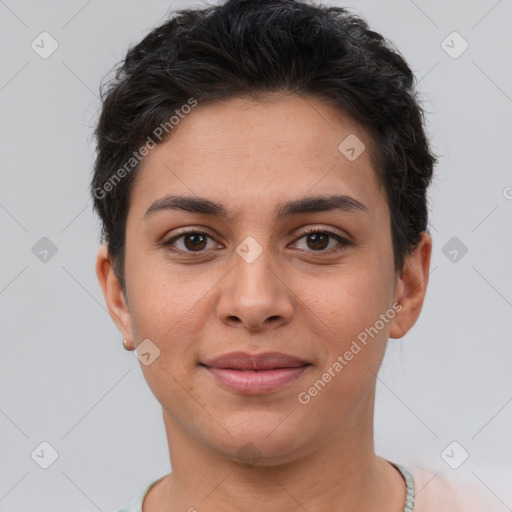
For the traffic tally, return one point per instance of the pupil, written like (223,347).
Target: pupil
(315,237)
(194,238)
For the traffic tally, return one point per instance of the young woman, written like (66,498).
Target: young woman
(261,178)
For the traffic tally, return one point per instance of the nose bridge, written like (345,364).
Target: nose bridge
(253,294)
(252,268)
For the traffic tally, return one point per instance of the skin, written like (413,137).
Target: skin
(294,298)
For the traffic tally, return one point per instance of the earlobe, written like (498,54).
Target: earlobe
(411,287)
(113,294)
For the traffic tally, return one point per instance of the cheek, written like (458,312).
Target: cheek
(159,296)
(349,301)
(353,346)
(349,316)
(171,309)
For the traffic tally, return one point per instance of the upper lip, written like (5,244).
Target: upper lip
(247,361)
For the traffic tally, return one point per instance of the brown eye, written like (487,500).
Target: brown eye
(195,241)
(318,240)
(188,242)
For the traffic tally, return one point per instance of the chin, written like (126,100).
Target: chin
(262,439)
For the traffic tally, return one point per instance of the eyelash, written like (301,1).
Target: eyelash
(344,243)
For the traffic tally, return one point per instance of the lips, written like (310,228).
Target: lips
(245,361)
(255,373)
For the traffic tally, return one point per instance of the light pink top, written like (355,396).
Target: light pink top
(435,492)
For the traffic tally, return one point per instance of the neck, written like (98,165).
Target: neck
(337,473)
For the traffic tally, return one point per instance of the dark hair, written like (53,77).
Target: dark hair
(252,48)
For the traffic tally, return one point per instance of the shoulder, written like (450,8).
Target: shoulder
(435,492)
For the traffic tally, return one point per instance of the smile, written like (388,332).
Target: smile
(255,374)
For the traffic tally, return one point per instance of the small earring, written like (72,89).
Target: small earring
(125,345)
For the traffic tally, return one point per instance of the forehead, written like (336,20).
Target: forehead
(243,151)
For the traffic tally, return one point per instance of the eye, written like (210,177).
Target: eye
(189,241)
(319,240)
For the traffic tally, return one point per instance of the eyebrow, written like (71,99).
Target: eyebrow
(205,206)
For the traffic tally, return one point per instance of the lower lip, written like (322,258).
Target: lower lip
(252,382)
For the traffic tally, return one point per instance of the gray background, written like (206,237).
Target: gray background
(65,378)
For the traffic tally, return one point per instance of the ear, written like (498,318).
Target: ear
(411,287)
(114,296)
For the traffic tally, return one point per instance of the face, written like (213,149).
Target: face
(270,293)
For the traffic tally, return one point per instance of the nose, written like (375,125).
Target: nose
(254,296)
